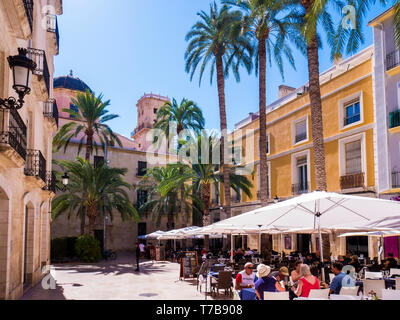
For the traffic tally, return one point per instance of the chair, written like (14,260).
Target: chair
(373,275)
(224,282)
(344,297)
(319,294)
(276,295)
(394,272)
(374,285)
(349,291)
(397,283)
(202,275)
(390,294)
(218,268)
(331,276)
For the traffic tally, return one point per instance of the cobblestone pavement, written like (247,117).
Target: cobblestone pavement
(118,280)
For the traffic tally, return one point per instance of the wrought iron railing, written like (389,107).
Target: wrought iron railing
(28,5)
(300,188)
(301,136)
(35,165)
(13,131)
(396,179)
(51,182)
(392,59)
(50,110)
(394,119)
(355,180)
(42,68)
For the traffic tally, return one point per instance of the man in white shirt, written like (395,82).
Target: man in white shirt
(245,278)
(141,247)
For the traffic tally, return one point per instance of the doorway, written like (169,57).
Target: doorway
(4,258)
(29,244)
(357,245)
(99,236)
(303,243)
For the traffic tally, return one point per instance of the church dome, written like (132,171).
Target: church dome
(71,82)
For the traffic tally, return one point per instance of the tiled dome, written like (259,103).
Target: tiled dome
(71,82)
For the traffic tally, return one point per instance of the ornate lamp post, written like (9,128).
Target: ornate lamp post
(65,181)
(21,67)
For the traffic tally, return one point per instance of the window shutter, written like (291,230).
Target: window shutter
(353,157)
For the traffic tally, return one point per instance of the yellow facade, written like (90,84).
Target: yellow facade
(342,83)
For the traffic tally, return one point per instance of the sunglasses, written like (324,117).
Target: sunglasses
(249,267)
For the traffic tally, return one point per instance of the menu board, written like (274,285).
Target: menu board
(188,264)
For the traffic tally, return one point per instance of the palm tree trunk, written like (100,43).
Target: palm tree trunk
(89,147)
(182,188)
(316,114)
(223,125)
(263,187)
(205,196)
(315,105)
(92,214)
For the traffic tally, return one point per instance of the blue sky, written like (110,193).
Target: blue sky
(124,48)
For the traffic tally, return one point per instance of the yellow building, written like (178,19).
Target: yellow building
(348,123)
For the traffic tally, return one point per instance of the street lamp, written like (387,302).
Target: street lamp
(276,199)
(22,68)
(65,181)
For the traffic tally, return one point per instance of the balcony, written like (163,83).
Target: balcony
(300,188)
(52,29)
(393,63)
(28,5)
(51,182)
(35,165)
(351,181)
(395,179)
(394,121)
(42,70)
(50,111)
(12,138)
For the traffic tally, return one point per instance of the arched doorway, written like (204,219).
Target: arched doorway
(29,243)
(5,211)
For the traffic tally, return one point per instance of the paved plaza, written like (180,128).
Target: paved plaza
(118,280)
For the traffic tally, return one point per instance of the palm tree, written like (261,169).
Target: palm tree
(269,30)
(204,173)
(161,204)
(213,40)
(93,187)
(90,120)
(185,116)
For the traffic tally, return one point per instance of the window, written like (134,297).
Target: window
(142,166)
(73,107)
(352,113)
(142,229)
(301,131)
(353,157)
(141,196)
(98,160)
(302,174)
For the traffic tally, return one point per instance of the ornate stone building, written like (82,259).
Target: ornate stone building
(26,182)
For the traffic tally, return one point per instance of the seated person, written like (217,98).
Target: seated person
(238,255)
(347,259)
(295,274)
(306,283)
(390,263)
(281,274)
(245,278)
(355,263)
(341,260)
(266,282)
(308,260)
(339,280)
(248,252)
